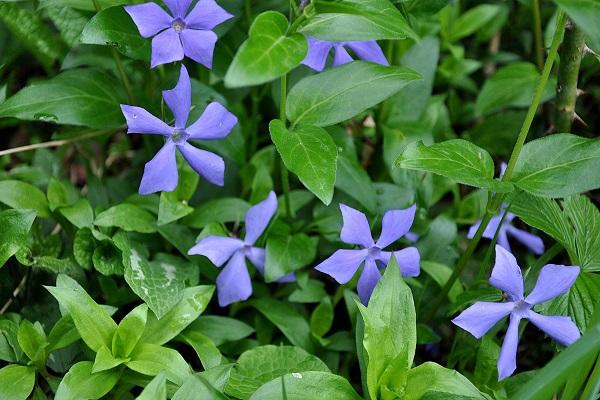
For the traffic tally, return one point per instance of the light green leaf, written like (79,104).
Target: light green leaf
(17,194)
(343,92)
(127,217)
(60,193)
(171,208)
(80,383)
(196,386)
(222,210)
(79,214)
(288,253)
(456,159)
(155,390)
(63,333)
(310,153)
(321,319)
(309,385)
(344,20)
(430,380)
(129,331)
(440,274)
(105,360)
(14,233)
(207,351)
(151,359)
(559,165)
(83,96)
(260,365)
(16,382)
(268,53)
(32,340)
(473,20)
(221,329)
(288,320)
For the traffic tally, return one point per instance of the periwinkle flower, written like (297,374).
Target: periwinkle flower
(343,264)
(160,173)
(180,33)
(233,283)
(552,281)
(531,241)
(318,51)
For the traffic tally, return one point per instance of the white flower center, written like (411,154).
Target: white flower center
(178,25)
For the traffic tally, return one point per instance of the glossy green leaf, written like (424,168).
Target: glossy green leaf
(114,27)
(456,159)
(127,217)
(268,53)
(221,329)
(155,390)
(16,382)
(260,365)
(151,359)
(80,383)
(207,351)
(79,214)
(288,253)
(431,380)
(69,23)
(196,386)
(32,340)
(345,20)
(15,227)
(473,20)
(586,14)
(105,361)
(310,153)
(171,208)
(309,385)
(83,96)
(17,194)
(222,210)
(343,92)
(288,320)
(129,331)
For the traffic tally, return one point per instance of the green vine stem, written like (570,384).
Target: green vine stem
(53,143)
(538,36)
(285,175)
(495,202)
(571,53)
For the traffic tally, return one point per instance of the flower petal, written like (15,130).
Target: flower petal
(149,18)
(342,264)
(506,274)
(141,121)
(233,283)
(395,224)
(178,7)
(355,228)
(218,249)
(166,48)
(503,239)
(490,229)
(259,216)
(179,99)
(205,163)
(529,240)
(368,51)
(199,45)
(256,255)
(507,361)
(318,50)
(409,261)
(160,173)
(482,316)
(553,281)
(340,56)
(368,279)
(215,123)
(206,14)
(561,329)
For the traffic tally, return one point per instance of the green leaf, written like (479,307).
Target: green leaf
(69,23)
(105,360)
(83,248)
(155,390)
(207,351)
(79,214)
(513,85)
(288,253)
(151,359)
(558,166)
(129,331)
(440,274)
(32,33)
(17,194)
(586,14)
(171,208)
(83,4)
(193,302)
(310,153)
(431,380)
(80,383)
(457,159)
(32,340)
(390,332)
(473,20)
(94,325)
(344,20)
(128,217)
(222,210)
(63,334)
(268,53)
(107,259)
(260,365)
(14,233)
(16,382)
(321,319)
(83,96)
(343,92)
(221,329)
(196,386)
(60,193)
(114,27)
(309,385)
(288,320)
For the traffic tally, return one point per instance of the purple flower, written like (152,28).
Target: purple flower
(216,122)
(343,264)
(553,281)
(233,283)
(318,51)
(181,33)
(532,242)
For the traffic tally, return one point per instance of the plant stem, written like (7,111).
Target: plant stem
(571,53)
(285,175)
(537,34)
(53,143)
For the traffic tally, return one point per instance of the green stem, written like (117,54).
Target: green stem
(593,386)
(571,53)
(53,143)
(285,175)
(537,34)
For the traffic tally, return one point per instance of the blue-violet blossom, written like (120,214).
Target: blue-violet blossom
(216,122)
(343,264)
(318,51)
(552,281)
(233,283)
(180,33)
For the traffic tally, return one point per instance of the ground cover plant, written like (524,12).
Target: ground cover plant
(316,199)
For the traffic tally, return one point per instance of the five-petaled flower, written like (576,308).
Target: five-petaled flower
(233,283)
(504,228)
(216,122)
(552,281)
(181,33)
(343,264)
(318,51)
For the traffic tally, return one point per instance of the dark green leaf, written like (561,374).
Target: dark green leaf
(288,253)
(127,217)
(586,14)
(288,320)
(221,210)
